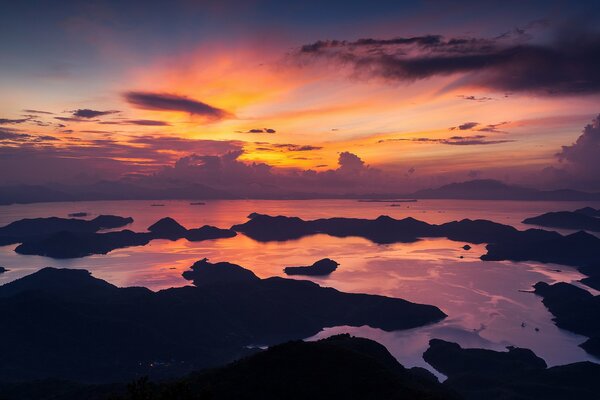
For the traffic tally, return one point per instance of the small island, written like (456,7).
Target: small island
(324,266)
(72,238)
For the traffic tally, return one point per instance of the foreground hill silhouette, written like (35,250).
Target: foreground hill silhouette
(71,238)
(66,324)
(339,367)
(479,374)
(575,309)
(345,367)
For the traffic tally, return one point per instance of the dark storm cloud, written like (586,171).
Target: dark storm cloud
(159,143)
(10,136)
(475,98)
(466,126)
(583,155)
(7,121)
(6,134)
(453,140)
(30,111)
(296,147)
(171,102)
(148,122)
(260,130)
(493,128)
(141,122)
(321,45)
(87,113)
(568,65)
(75,119)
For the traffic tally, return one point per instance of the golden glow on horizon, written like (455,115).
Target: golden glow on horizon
(329,110)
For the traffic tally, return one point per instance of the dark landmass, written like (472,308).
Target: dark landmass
(204,273)
(566,220)
(74,244)
(339,367)
(504,242)
(589,211)
(109,190)
(489,189)
(28,228)
(168,190)
(324,266)
(574,309)
(592,281)
(78,215)
(479,374)
(66,324)
(200,203)
(3,270)
(466,247)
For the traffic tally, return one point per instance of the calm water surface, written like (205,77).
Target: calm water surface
(486,302)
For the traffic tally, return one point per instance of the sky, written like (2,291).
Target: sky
(327,96)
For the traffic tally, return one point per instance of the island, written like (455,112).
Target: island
(504,242)
(582,219)
(324,266)
(73,238)
(574,309)
(27,228)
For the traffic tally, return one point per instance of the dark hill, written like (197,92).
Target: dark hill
(66,324)
(480,374)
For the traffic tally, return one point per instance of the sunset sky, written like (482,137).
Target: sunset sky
(383,96)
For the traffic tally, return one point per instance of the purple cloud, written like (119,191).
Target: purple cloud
(172,102)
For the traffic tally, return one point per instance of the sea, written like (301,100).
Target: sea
(489,304)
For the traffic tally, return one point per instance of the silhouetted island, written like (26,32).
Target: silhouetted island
(324,266)
(589,211)
(593,279)
(566,220)
(480,374)
(574,309)
(3,270)
(504,242)
(56,320)
(27,228)
(59,238)
(490,189)
(205,273)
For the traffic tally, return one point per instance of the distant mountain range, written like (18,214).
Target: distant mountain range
(482,189)
(489,189)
